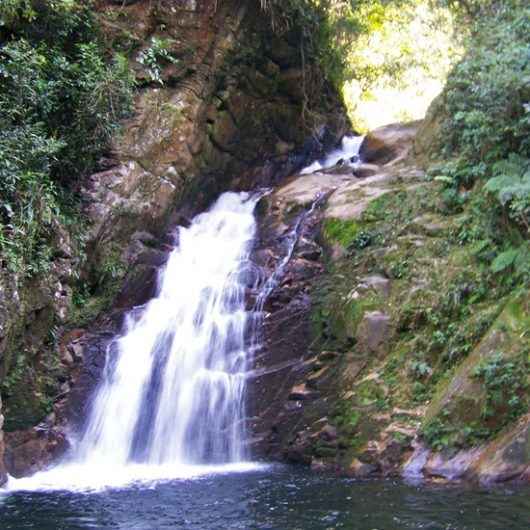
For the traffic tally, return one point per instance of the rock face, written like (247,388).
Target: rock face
(382,353)
(278,386)
(224,112)
(29,309)
(297,385)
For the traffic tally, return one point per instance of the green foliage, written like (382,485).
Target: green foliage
(511,186)
(486,95)
(341,231)
(11,10)
(400,62)
(328,31)
(486,138)
(506,381)
(441,434)
(60,103)
(154,58)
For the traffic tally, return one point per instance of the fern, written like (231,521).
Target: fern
(511,186)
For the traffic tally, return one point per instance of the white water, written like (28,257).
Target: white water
(348,153)
(171,404)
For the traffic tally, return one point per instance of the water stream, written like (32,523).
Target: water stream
(347,154)
(279,498)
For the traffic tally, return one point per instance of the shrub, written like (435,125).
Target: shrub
(506,382)
(486,136)
(60,103)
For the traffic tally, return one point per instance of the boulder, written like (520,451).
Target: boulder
(391,143)
(360,469)
(374,333)
(379,284)
(507,457)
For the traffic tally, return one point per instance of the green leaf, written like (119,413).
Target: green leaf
(505,260)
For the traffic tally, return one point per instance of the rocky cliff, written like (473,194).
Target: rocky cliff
(387,351)
(386,348)
(220,104)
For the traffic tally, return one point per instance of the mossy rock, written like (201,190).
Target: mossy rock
(461,400)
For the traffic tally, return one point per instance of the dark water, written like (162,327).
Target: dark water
(279,499)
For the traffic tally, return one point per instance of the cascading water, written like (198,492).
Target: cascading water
(174,383)
(348,153)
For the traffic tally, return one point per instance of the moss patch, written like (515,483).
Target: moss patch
(341,231)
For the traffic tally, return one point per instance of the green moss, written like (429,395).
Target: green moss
(341,231)
(369,393)
(505,381)
(90,298)
(385,206)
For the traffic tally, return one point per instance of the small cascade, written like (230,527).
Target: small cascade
(348,153)
(290,243)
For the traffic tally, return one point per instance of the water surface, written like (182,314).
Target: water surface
(277,498)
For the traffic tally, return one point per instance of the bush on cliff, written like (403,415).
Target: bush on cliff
(60,103)
(485,136)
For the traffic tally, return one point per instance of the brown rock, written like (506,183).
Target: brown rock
(363,171)
(328,433)
(450,467)
(506,458)
(390,143)
(30,451)
(360,469)
(374,333)
(301,392)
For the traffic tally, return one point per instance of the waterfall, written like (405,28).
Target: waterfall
(172,395)
(174,383)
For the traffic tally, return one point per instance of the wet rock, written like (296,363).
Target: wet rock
(30,451)
(450,466)
(328,433)
(506,458)
(363,171)
(298,454)
(360,469)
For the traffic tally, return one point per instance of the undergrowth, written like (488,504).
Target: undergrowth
(61,101)
(486,141)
